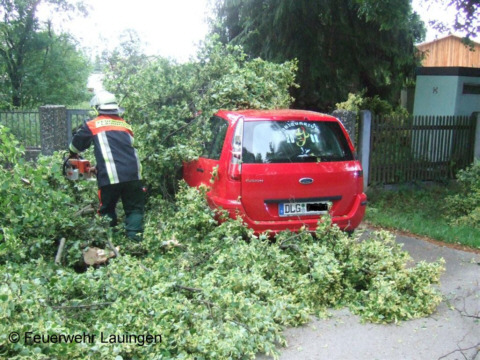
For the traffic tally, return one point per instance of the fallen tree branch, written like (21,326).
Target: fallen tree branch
(86,210)
(145,268)
(113,248)
(203,259)
(290,246)
(286,243)
(187,288)
(25,181)
(61,246)
(71,307)
(208,303)
(187,124)
(242,325)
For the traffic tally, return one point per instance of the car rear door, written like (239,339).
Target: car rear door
(199,172)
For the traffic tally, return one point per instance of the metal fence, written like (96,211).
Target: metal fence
(25,125)
(75,118)
(420,148)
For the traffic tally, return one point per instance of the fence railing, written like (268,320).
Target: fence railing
(399,149)
(25,125)
(75,118)
(45,130)
(420,148)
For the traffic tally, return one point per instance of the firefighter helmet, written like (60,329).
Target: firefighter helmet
(104,101)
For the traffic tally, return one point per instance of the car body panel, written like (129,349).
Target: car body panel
(256,191)
(266,185)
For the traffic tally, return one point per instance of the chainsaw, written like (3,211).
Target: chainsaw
(78,169)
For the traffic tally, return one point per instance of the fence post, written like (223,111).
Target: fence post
(349,120)
(53,128)
(476,149)
(364,144)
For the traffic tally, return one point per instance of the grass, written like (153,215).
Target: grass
(419,209)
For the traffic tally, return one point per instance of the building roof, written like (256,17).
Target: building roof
(445,37)
(450,51)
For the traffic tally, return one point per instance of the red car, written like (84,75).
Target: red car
(280,169)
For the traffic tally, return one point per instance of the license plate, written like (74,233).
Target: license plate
(299,209)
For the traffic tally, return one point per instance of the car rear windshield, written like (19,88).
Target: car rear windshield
(294,141)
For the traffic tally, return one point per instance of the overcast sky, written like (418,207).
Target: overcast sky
(170,28)
(433,11)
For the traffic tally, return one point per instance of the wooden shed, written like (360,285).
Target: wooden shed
(450,51)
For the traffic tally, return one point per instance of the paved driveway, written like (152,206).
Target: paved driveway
(452,332)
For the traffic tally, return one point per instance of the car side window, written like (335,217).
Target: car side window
(218,128)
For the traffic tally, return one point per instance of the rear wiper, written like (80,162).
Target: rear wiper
(309,158)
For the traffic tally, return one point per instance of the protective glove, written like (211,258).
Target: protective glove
(73,155)
(93,170)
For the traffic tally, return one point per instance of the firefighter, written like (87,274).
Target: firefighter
(118,167)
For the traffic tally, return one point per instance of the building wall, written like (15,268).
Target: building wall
(440,91)
(468,103)
(435,95)
(450,51)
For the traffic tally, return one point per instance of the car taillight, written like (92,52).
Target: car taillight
(235,170)
(358,174)
(235,166)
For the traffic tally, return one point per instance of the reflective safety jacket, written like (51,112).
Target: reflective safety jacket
(117,159)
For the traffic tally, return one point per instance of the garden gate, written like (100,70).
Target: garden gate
(420,148)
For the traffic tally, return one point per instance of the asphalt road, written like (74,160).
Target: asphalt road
(452,332)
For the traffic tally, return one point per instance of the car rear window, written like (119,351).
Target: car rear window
(294,141)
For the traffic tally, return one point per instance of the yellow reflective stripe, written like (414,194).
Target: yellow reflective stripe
(139,165)
(112,122)
(108,158)
(74,149)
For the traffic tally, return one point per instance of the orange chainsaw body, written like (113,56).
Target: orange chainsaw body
(78,169)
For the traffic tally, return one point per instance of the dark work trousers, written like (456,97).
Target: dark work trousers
(132,194)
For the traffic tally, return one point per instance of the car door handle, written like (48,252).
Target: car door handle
(200,170)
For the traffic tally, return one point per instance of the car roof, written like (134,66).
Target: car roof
(279,114)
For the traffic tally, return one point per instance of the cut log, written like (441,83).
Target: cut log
(96,256)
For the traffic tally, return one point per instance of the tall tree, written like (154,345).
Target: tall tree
(342,45)
(57,74)
(466,18)
(27,50)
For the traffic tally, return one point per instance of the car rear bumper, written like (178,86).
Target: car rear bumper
(348,222)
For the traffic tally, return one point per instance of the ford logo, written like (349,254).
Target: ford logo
(306,181)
